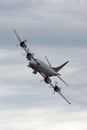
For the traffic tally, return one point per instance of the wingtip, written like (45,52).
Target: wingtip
(70,103)
(67,61)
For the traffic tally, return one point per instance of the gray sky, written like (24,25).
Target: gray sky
(58,29)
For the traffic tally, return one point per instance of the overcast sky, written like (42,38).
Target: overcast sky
(58,29)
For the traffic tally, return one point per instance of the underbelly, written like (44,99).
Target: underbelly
(43,70)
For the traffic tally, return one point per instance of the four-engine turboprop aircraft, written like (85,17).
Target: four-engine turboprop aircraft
(45,70)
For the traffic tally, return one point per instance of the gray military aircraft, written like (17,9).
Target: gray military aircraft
(45,70)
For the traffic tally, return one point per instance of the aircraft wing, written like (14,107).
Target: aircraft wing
(60,67)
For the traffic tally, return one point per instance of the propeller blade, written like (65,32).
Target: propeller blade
(64,98)
(62,80)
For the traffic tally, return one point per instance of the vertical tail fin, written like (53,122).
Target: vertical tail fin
(60,67)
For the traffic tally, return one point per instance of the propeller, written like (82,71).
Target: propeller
(56,88)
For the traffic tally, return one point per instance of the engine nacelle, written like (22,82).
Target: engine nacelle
(29,56)
(22,44)
(57,89)
(47,80)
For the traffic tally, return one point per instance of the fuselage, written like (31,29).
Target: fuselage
(42,68)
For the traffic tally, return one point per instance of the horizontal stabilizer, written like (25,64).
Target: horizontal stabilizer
(60,67)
